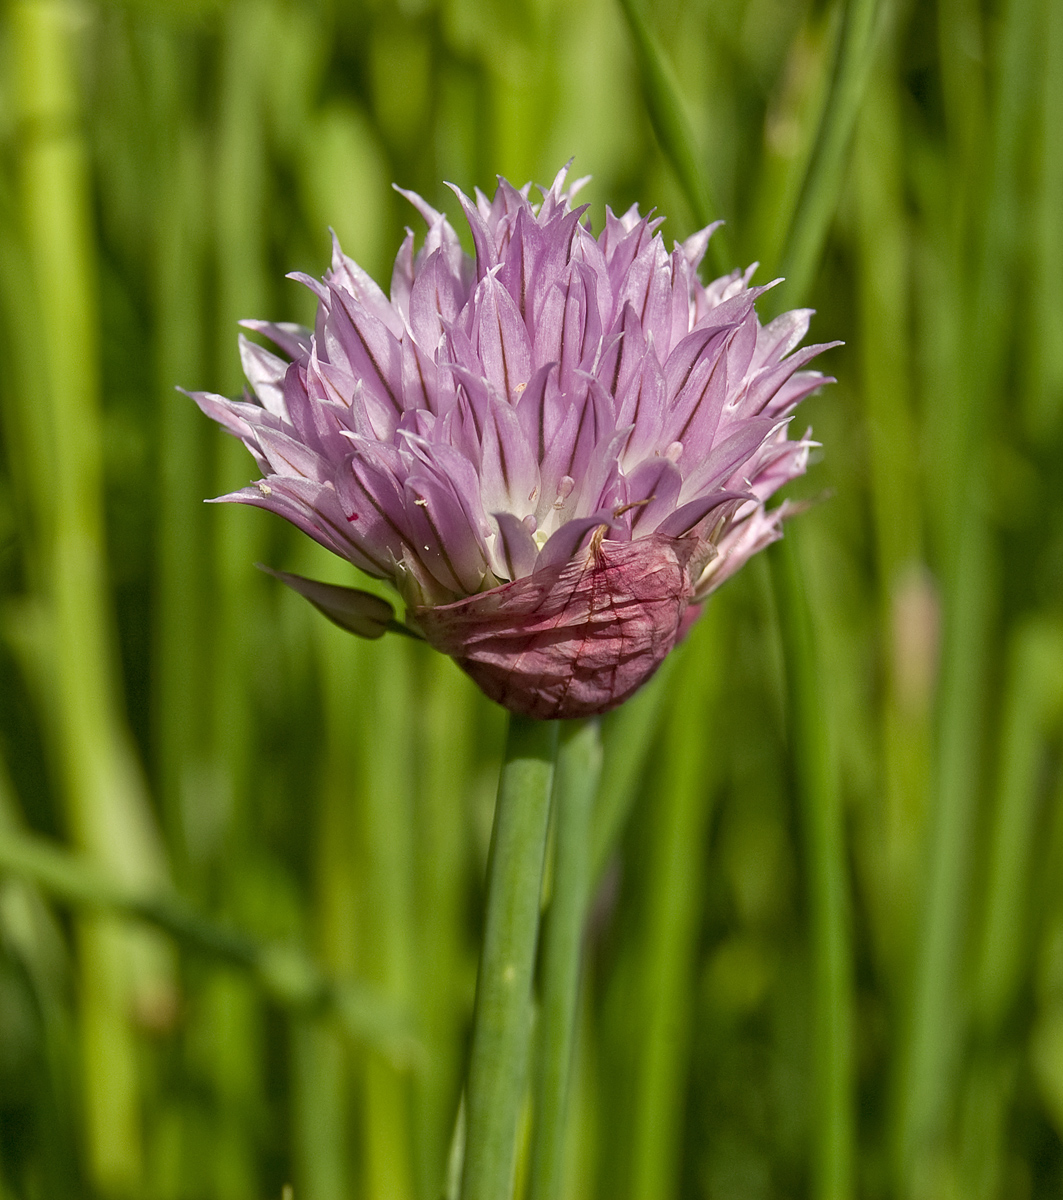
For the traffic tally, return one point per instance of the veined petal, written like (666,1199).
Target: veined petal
(501,339)
(265,373)
(436,299)
(293,339)
(683,520)
(402,277)
(653,492)
(568,540)
(509,474)
(443,538)
(355,338)
(517,548)
(348,278)
(569,330)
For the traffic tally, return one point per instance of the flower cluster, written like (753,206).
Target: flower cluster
(552,450)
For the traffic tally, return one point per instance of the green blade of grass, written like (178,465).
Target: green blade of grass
(628,738)
(672,126)
(818,198)
(106,808)
(683,795)
(976,373)
(819,806)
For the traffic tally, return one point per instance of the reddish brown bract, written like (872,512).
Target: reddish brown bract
(576,639)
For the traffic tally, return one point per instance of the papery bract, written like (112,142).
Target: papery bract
(551,451)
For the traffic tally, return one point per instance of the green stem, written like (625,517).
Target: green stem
(579,765)
(502,1021)
(824,838)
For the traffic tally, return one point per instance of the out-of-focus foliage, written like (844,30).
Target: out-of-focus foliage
(179,719)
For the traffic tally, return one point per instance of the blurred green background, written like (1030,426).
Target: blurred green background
(826,952)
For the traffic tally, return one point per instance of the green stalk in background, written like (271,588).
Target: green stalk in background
(928,1059)
(627,740)
(664,103)
(445,961)
(33,937)
(682,795)
(1033,705)
(1045,346)
(815,773)
(322,1092)
(180,664)
(818,199)
(240,249)
(232,1011)
(906,598)
(106,808)
(502,1022)
(387,918)
(823,830)
(579,765)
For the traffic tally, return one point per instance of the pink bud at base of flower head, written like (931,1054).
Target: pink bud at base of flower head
(574,639)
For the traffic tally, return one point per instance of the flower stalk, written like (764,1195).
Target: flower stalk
(579,768)
(502,1020)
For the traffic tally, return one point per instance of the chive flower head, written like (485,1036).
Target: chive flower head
(554,451)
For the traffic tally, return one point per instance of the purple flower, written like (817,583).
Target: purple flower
(552,451)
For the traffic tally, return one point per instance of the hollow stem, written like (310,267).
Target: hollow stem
(579,766)
(502,1020)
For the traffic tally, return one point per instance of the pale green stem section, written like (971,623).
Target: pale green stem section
(819,805)
(179,719)
(105,804)
(907,601)
(502,1022)
(1033,703)
(233,1012)
(682,803)
(672,126)
(579,765)
(320,1110)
